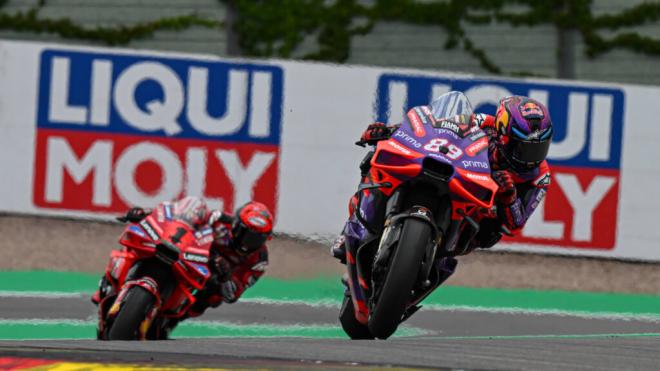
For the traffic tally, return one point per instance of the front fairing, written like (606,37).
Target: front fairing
(140,241)
(454,141)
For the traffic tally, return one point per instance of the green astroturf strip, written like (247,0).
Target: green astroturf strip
(48,281)
(330,290)
(25,329)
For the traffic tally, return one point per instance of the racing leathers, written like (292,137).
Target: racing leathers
(234,272)
(519,194)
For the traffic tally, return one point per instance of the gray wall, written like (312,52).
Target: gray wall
(620,65)
(405,45)
(113,13)
(522,49)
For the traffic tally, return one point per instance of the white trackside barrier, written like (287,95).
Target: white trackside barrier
(87,132)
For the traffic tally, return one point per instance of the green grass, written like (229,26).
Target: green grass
(328,291)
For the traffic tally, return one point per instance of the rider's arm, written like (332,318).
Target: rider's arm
(515,214)
(246,275)
(217,217)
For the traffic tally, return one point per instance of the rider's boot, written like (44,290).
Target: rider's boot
(104,290)
(338,249)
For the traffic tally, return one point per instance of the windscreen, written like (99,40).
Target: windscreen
(451,104)
(191,210)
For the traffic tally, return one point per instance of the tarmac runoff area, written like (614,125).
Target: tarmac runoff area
(293,324)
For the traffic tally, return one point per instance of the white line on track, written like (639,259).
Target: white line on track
(335,304)
(42,294)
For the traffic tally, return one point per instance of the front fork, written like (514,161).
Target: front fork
(432,274)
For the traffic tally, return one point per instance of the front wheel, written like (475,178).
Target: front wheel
(402,273)
(137,304)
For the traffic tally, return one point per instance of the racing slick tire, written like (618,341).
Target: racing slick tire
(137,304)
(352,327)
(390,305)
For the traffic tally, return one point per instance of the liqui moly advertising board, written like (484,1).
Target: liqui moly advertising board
(120,130)
(581,207)
(88,132)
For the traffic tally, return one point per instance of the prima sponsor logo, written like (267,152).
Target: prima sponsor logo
(475,164)
(407,139)
(448,132)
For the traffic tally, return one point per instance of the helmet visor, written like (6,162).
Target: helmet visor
(249,240)
(528,152)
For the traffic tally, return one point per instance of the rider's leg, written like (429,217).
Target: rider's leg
(338,249)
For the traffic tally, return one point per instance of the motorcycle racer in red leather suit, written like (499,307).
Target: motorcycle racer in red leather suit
(238,253)
(519,137)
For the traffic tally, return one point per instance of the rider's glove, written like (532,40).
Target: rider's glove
(133,215)
(218,217)
(229,289)
(224,269)
(224,287)
(375,132)
(506,192)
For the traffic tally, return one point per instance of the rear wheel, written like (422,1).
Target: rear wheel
(137,304)
(353,328)
(402,273)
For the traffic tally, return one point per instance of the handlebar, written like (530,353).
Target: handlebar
(371,142)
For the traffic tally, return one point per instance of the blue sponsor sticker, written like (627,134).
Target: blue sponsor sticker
(168,212)
(201,269)
(137,230)
(206,231)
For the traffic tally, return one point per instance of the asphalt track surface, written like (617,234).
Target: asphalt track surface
(467,340)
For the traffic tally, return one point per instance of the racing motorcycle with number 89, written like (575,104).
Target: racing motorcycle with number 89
(427,189)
